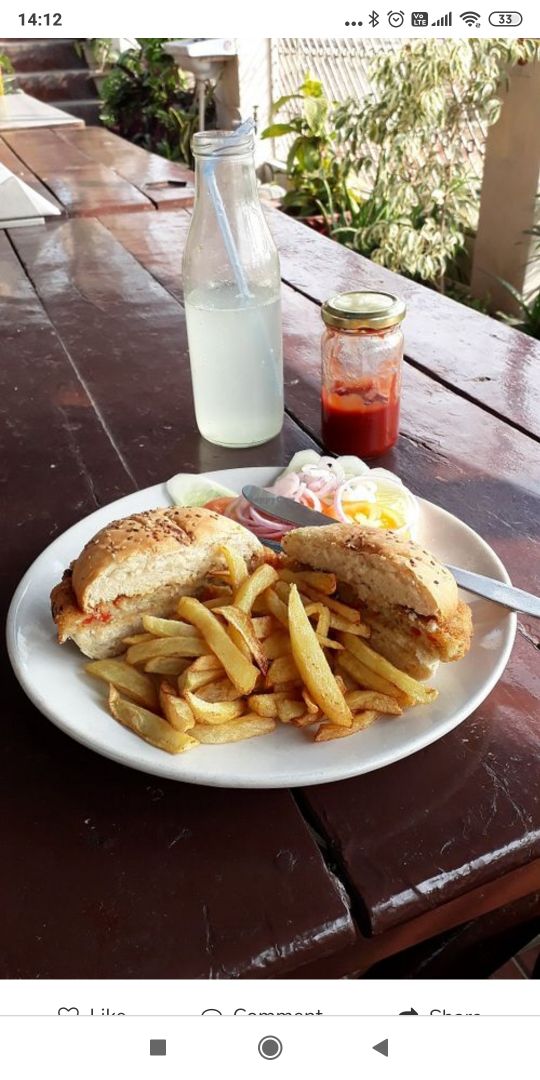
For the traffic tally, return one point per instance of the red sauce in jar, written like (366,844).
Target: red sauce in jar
(358,420)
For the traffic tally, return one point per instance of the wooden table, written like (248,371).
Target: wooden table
(115,874)
(89,170)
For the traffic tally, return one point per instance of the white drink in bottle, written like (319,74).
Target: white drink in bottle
(232,298)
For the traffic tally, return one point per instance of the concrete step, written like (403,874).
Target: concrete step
(57,85)
(85,110)
(43,55)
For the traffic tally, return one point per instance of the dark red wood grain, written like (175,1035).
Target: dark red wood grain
(91,171)
(149,172)
(113,874)
(420,846)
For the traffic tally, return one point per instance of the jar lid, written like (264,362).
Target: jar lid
(359,310)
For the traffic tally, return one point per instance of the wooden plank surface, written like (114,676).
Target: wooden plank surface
(112,873)
(488,474)
(483,359)
(82,186)
(167,183)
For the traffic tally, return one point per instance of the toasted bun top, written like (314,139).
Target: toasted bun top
(144,552)
(380,567)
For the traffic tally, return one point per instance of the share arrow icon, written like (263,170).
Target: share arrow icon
(381,1048)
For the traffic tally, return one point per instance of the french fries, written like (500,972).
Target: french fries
(166,646)
(238,668)
(148,725)
(313,665)
(175,709)
(252,587)
(214,712)
(327,732)
(368,699)
(165,665)
(167,627)
(235,730)
(386,670)
(229,674)
(140,688)
(243,625)
(236,567)
(322,582)
(355,672)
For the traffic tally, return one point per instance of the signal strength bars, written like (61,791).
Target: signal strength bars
(445,20)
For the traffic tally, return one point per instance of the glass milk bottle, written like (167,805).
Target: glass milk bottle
(232,298)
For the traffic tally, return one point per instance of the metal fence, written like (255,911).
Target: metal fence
(343,66)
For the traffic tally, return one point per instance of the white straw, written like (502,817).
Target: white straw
(221,215)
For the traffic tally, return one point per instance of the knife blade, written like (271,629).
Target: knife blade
(277,506)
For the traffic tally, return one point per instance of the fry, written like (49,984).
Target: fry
(166,646)
(309,718)
(323,618)
(135,639)
(315,579)
(313,665)
(148,725)
(329,643)
(282,589)
(310,704)
(283,669)
(253,586)
(277,644)
(348,613)
(263,625)
(235,730)
(236,566)
(369,699)
(175,710)
(337,622)
(384,668)
(351,666)
(221,690)
(214,602)
(327,732)
(214,712)
(166,665)
(288,709)
(167,627)
(243,625)
(194,680)
(264,704)
(138,687)
(240,671)
(276,607)
(208,662)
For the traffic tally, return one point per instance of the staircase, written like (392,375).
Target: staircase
(52,70)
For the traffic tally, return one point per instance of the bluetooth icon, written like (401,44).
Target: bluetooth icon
(373,18)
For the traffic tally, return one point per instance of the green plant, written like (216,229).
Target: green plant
(323,175)
(6,68)
(415,195)
(148,100)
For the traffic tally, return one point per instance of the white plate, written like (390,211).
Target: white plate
(55,681)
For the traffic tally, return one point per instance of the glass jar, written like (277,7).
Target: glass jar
(232,293)
(362,353)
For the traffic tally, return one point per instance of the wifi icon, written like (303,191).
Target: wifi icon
(472,18)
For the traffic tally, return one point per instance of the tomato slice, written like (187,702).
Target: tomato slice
(219,505)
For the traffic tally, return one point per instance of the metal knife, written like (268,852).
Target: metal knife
(276,506)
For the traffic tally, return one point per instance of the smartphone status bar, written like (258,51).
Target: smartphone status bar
(437,19)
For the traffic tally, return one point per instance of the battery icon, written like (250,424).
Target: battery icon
(505,18)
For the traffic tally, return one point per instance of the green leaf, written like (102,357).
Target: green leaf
(275,130)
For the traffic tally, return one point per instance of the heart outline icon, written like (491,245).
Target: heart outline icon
(68,1010)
